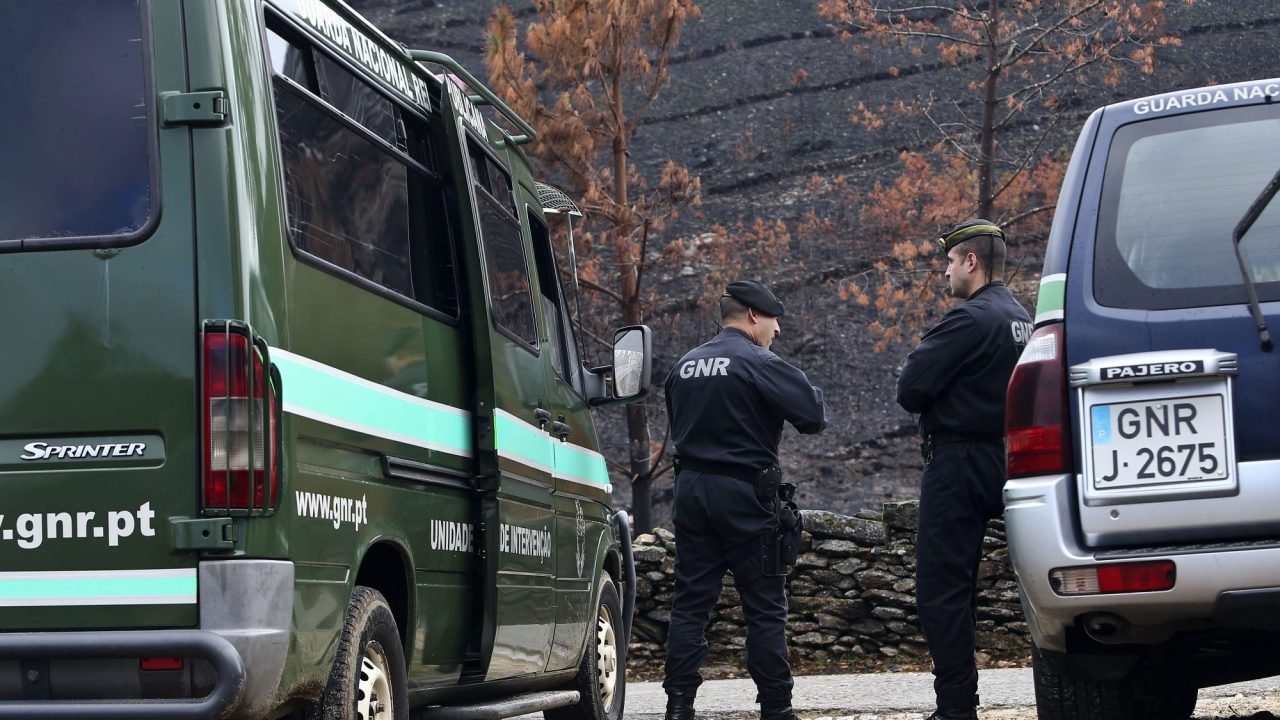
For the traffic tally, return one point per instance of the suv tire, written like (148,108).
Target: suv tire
(1063,697)
(602,676)
(369,677)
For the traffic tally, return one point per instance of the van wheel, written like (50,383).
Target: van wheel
(602,676)
(368,680)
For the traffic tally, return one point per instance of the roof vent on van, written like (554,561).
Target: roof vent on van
(239,408)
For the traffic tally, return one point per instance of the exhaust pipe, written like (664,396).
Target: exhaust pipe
(1103,627)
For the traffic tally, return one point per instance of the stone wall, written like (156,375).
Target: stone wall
(852,595)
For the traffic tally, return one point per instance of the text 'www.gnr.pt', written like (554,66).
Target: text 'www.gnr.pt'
(33,529)
(338,510)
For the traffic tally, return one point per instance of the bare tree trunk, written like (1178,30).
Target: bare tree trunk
(641,473)
(986,155)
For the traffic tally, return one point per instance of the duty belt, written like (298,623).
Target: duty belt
(943,437)
(737,472)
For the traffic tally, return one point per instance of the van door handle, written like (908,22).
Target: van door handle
(544,416)
(561,430)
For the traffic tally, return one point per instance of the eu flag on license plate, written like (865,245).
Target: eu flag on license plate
(1101,424)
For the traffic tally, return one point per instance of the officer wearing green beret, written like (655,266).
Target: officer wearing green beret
(727,401)
(956,379)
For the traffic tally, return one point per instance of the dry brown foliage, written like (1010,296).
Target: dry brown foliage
(1021,55)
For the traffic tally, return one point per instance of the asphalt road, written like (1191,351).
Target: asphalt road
(1007,694)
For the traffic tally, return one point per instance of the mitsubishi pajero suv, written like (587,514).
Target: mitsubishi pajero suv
(1143,419)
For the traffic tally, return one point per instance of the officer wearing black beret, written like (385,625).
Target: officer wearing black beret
(956,379)
(727,401)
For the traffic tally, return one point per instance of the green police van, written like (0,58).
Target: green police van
(293,418)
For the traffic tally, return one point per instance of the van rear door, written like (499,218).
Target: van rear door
(98,425)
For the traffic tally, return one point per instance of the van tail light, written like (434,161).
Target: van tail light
(152,664)
(1037,416)
(239,408)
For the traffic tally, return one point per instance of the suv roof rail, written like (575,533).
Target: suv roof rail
(484,95)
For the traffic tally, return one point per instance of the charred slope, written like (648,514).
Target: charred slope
(737,113)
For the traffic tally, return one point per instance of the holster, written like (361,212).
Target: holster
(767,483)
(781,547)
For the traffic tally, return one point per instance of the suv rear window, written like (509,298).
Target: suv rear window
(76,131)
(1173,191)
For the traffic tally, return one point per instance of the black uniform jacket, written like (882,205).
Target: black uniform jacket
(727,400)
(957,376)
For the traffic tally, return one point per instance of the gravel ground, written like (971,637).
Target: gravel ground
(1007,695)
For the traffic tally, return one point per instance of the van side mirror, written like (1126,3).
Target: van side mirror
(630,371)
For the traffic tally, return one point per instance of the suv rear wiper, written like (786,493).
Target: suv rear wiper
(1255,209)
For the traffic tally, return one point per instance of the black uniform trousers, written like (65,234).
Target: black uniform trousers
(960,491)
(719,523)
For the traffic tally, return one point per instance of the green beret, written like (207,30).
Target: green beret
(755,296)
(967,231)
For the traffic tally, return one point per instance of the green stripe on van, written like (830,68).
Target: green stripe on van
(98,587)
(331,396)
(581,465)
(1050,300)
(522,442)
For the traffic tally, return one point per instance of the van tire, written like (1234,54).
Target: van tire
(370,662)
(602,674)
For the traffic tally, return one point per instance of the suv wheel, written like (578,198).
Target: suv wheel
(1063,697)
(602,677)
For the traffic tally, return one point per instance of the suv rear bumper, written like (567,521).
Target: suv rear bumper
(1039,521)
(237,656)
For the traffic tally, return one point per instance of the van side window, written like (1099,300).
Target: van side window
(564,351)
(372,110)
(504,256)
(363,195)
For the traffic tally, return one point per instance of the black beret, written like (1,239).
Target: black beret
(755,296)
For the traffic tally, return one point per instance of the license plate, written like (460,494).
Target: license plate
(1158,442)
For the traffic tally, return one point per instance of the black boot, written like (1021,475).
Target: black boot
(680,705)
(968,713)
(777,710)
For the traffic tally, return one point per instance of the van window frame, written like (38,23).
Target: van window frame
(313,44)
(481,194)
(154,189)
(570,360)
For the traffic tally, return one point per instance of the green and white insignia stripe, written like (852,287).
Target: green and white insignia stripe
(521,442)
(579,464)
(332,396)
(98,587)
(326,394)
(1051,299)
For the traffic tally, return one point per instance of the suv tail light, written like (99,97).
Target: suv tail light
(238,407)
(1037,422)
(1152,576)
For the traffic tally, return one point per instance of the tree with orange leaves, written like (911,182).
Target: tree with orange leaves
(1021,54)
(593,70)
